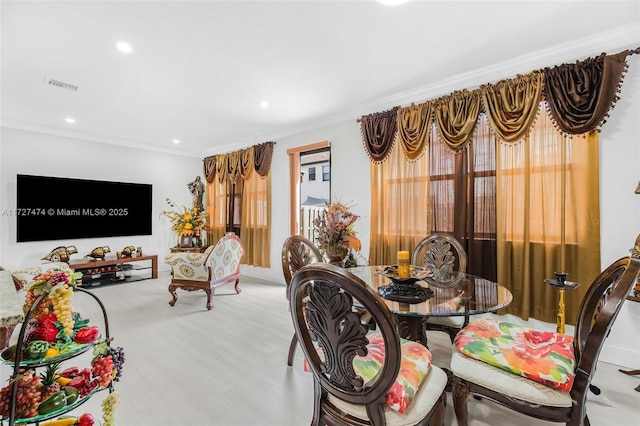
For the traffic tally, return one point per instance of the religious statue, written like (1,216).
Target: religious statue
(197,189)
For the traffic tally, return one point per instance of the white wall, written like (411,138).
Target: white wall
(26,152)
(620,207)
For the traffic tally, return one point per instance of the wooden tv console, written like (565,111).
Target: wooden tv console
(113,264)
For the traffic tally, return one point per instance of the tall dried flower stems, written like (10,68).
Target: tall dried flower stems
(334,231)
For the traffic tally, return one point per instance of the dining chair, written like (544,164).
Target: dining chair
(542,374)
(443,255)
(297,251)
(361,376)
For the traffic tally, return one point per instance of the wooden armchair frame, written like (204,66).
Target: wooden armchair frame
(210,275)
(596,315)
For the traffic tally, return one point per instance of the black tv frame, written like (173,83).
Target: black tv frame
(58,208)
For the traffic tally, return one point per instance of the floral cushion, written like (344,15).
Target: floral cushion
(414,366)
(543,356)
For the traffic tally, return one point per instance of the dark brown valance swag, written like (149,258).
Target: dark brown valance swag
(578,97)
(228,166)
(378,133)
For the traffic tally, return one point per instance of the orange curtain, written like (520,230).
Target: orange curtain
(253,165)
(548,218)
(255,224)
(399,206)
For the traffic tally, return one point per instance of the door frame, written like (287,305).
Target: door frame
(294,182)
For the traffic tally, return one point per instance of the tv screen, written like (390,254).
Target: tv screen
(54,208)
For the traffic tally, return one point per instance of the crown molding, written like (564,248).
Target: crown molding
(611,42)
(56,131)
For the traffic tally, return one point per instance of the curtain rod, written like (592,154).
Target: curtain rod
(629,53)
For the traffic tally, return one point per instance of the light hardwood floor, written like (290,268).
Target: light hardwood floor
(186,366)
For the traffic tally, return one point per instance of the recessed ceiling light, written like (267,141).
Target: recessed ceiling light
(176,141)
(70,120)
(124,47)
(264,104)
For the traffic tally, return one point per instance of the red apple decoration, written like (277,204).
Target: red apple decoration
(86,420)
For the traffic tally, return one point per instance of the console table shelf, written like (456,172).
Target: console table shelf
(113,269)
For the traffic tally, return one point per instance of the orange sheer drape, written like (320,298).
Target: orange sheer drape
(548,218)
(399,206)
(250,169)
(547,187)
(255,226)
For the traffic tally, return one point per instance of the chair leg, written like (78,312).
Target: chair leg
(209,304)
(437,419)
(292,349)
(460,394)
(453,332)
(237,286)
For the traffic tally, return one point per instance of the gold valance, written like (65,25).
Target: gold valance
(579,98)
(414,128)
(239,163)
(456,116)
(512,105)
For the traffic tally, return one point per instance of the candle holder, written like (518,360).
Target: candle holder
(405,290)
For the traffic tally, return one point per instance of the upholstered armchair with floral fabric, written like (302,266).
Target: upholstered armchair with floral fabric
(189,266)
(217,265)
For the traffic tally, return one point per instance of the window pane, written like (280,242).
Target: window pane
(326,173)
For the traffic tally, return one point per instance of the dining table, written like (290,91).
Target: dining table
(462,294)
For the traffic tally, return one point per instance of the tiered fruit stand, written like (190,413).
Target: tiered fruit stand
(91,380)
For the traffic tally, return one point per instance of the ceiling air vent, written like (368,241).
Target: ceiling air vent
(61,84)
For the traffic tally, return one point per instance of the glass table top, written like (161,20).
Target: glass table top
(463,294)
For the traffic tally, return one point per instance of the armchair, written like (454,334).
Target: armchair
(218,265)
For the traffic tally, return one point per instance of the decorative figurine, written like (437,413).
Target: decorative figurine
(99,252)
(128,251)
(139,251)
(60,254)
(197,189)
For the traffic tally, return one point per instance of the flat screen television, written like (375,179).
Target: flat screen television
(55,208)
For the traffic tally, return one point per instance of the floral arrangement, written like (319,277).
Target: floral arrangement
(334,231)
(186,220)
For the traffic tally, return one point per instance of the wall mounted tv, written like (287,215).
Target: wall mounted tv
(54,208)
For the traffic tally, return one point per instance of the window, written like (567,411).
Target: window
(464,178)
(326,173)
(312,173)
(234,204)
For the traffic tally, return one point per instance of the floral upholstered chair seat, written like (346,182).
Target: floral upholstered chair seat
(415,364)
(189,266)
(503,352)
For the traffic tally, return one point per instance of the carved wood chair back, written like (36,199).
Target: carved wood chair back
(297,251)
(332,332)
(442,254)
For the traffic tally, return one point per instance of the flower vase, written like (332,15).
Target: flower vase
(336,257)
